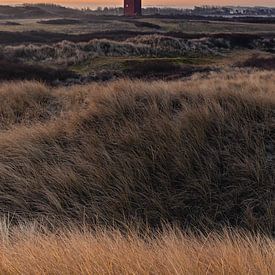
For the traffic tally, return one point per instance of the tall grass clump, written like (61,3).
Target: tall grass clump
(199,154)
(25,103)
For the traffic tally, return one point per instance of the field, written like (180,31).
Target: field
(91,48)
(136,145)
(93,24)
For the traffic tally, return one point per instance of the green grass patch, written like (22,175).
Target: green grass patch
(121,64)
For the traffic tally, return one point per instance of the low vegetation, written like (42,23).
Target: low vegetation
(265,63)
(63,21)
(161,68)
(13,69)
(66,52)
(27,37)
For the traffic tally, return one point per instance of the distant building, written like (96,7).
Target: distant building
(132,7)
(233,11)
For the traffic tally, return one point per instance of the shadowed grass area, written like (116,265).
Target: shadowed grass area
(146,68)
(16,70)
(198,153)
(265,63)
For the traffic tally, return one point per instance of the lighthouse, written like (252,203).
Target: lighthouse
(132,7)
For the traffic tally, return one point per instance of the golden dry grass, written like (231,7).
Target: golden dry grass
(25,251)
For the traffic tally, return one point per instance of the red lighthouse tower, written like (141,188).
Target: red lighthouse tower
(132,7)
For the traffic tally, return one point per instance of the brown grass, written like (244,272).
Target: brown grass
(198,153)
(79,164)
(25,251)
(26,103)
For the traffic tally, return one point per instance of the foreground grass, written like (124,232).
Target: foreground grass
(101,159)
(198,153)
(25,251)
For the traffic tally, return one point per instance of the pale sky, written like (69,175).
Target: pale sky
(183,3)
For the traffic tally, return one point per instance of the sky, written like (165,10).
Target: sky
(177,3)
